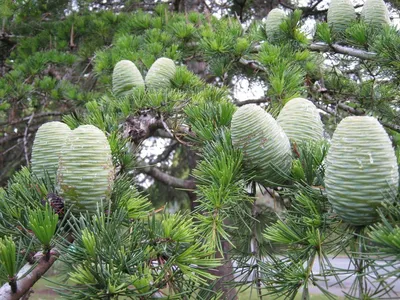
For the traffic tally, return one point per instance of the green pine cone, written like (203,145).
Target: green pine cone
(340,15)
(85,172)
(160,74)
(361,170)
(46,148)
(265,146)
(273,21)
(126,77)
(375,13)
(300,120)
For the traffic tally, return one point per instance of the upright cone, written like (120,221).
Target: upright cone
(265,146)
(340,15)
(273,21)
(126,77)
(86,173)
(46,148)
(375,13)
(301,121)
(361,170)
(160,74)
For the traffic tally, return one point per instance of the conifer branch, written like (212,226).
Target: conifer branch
(28,280)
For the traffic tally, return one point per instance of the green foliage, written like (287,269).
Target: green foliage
(323,33)
(308,165)
(8,256)
(159,252)
(43,224)
(221,187)
(125,195)
(285,73)
(206,118)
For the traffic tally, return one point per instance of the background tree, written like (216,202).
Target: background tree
(58,61)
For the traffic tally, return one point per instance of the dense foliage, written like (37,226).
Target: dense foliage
(93,64)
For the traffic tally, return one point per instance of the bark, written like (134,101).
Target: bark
(362,54)
(225,272)
(25,284)
(140,127)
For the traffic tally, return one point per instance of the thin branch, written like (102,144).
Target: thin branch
(253,64)
(353,111)
(26,151)
(28,280)
(170,180)
(252,101)
(166,153)
(37,116)
(12,137)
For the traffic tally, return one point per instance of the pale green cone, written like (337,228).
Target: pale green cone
(273,21)
(300,120)
(340,15)
(160,74)
(265,146)
(46,148)
(375,13)
(86,173)
(125,78)
(361,170)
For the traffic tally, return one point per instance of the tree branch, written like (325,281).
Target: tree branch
(353,111)
(26,139)
(24,284)
(253,64)
(166,153)
(252,101)
(342,50)
(37,116)
(159,175)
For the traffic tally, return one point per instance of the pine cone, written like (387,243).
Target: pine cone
(56,202)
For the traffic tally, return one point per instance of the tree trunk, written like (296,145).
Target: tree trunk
(225,272)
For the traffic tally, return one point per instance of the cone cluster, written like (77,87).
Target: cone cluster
(341,14)
(126,76)
(361,170)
